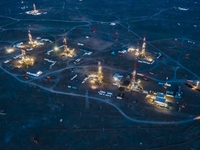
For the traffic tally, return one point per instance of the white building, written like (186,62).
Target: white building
(117,77)
(161,100)
(170,93)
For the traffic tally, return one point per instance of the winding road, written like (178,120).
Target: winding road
(100,100)
(106,101)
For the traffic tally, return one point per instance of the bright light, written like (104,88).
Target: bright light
(10,50)
(56,48)
(20,61)
(139,74)
(137,54)
(92,81)
(115,78)
(131,49)
(94,87)
(139,81)
(197,118)
(150,59)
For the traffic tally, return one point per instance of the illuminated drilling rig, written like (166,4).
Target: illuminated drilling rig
(141,54)
(134,84)
(67,52)
(100,74)
(137,52)
(65,46)
(34,9)
(30,38)
(196,86)
(26,60)
(23,55)
(33,43)
(143,48)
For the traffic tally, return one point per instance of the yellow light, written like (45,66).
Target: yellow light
(197,118)
(20,62)
(94,87)
(56,48)
(92,81)
(150,59)
(137,54)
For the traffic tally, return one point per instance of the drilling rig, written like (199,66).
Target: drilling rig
(34,8)
(134,84)
(23,55)
(100,74)
(143,48)
(26,60)
(30,37)
(67,52)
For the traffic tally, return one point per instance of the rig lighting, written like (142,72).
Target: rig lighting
(115,78)
(10,50)
(56,48)
(197,118)
(137,54)
(139,81)
(150,59)
(94,87)
(197,84)
(92,81)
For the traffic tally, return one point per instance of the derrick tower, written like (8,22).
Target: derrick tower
(133,84)
(65,45)
(67,51)
(30,37)
(100,74)
(23,55)
(143,47)
(133,80)
(34,8)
